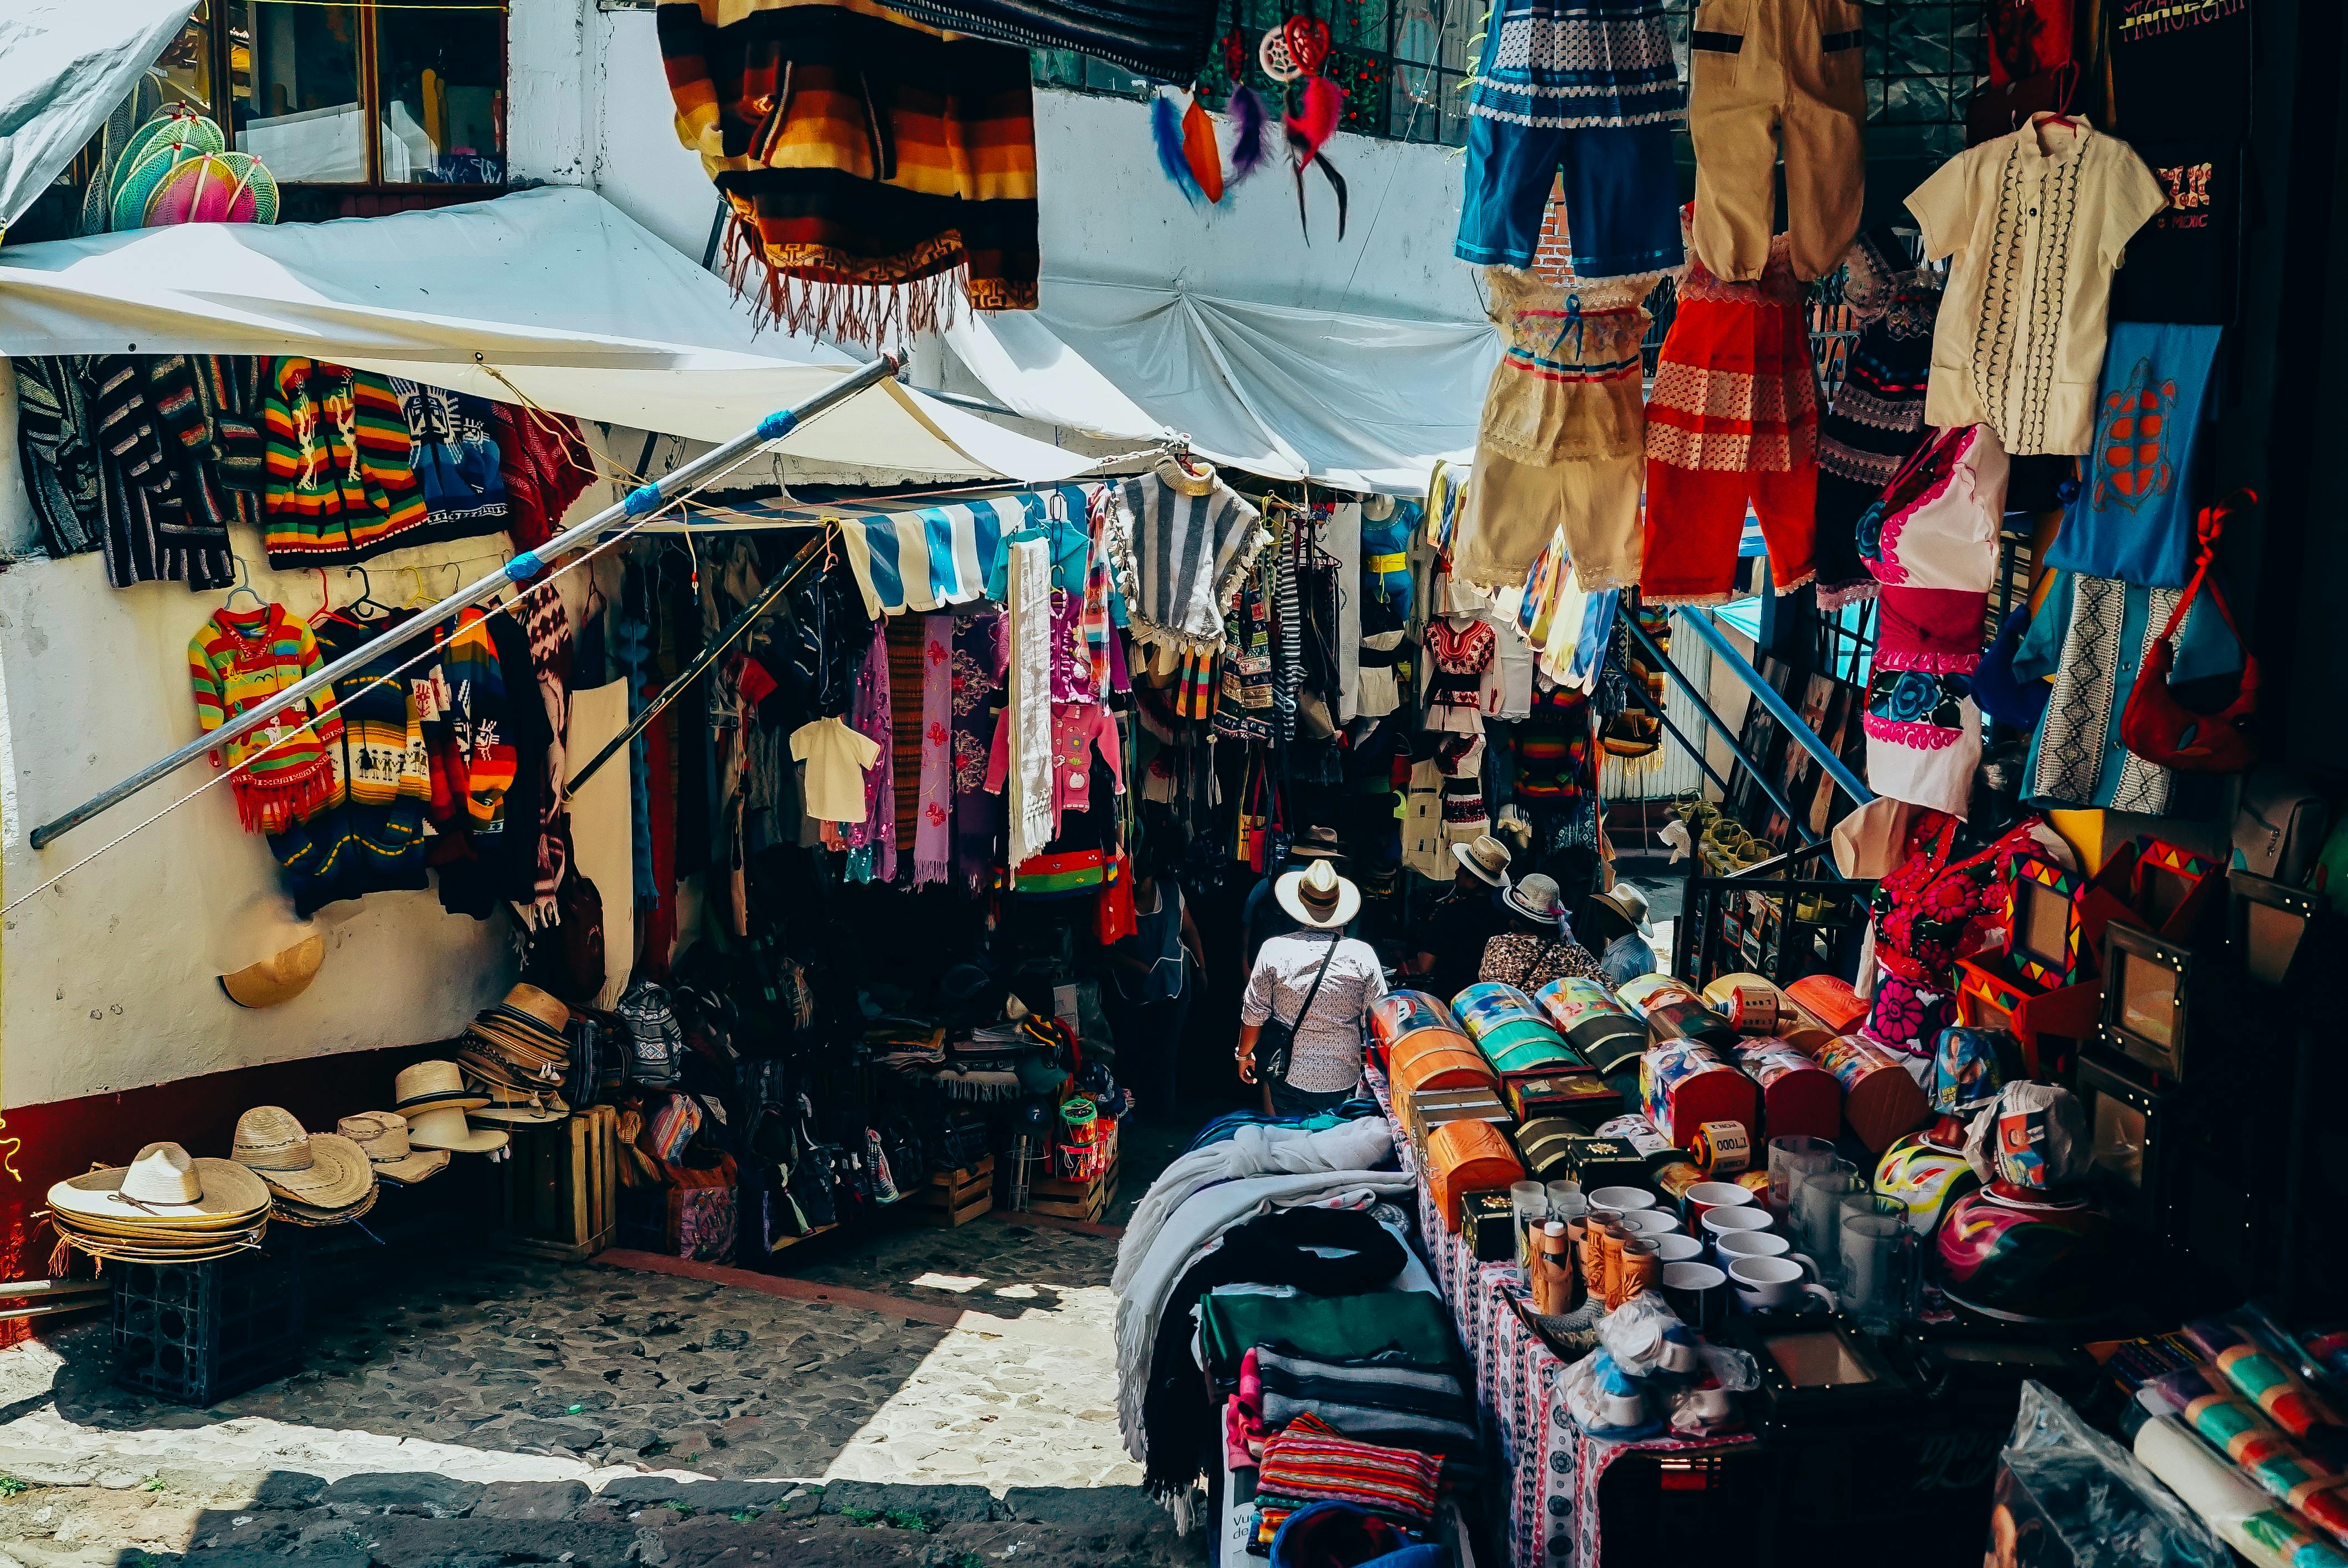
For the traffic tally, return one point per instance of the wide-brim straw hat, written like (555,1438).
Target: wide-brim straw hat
(1537,898)
(1317,844)
(1318,897)
(1631,904)
(514,1110)
(541,1008)
(163,1189)
(311,1215)
(277,979)
(432,1086)
(1485,857)
(445,1127)
(381,1137)
(317,1169)
(216,1244)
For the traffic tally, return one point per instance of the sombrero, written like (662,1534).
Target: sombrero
(162,1190)
(445,1127)
(381,1137)
(319,1170)
(311,1215)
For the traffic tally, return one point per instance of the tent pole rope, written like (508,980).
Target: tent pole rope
(639,503)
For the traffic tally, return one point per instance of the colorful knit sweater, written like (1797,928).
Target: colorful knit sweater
(240,660)
(341,485)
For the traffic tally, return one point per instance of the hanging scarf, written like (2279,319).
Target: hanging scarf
(1097,631)
(546,624)
(872,843)
(908,635)
(977,675)
(1030,607)
(933,832)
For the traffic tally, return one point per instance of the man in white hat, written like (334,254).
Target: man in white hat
(1449,944)
(1618,919)
(1316,986)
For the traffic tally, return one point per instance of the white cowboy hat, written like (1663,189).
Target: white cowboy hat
(163,1189)
(1537,898)
(1484,858)
(321,1171)
(1318,897)
(1631,904)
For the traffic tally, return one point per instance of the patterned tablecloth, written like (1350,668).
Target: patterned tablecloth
(1552,1467)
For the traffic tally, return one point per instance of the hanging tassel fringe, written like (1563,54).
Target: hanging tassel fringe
(877,315)
(1204,159)
(1251,147)
(1166,130)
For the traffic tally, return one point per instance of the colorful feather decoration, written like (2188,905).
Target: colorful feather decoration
(1199,151)
(1251,147)
(1166,129)
(1315,121)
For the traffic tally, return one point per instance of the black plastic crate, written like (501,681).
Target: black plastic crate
(198,1333)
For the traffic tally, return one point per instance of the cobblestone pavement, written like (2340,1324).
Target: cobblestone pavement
(498,1409)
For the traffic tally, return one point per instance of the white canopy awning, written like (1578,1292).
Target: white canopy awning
(554,290)
(1364,402)
(64,65)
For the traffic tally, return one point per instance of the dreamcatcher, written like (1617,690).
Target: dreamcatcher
(1291,55)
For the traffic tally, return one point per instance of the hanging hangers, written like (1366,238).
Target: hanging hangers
(367,600)
(244,584)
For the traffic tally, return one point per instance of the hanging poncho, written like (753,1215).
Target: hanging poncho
(876,167)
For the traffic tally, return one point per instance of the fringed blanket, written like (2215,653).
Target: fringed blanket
(877,168)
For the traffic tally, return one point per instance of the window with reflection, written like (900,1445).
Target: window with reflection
(350,94)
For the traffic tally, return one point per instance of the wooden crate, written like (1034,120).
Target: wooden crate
(951,1198)
(562,1187)
(1086,1200)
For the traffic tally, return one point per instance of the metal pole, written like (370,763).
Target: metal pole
(1766,695)
(1695,751)
(638,503)
(691,671)
(1735,746)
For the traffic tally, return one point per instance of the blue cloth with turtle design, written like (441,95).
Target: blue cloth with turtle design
(2133,516)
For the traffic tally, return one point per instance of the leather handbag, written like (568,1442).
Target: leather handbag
(2279,827)
(2161,729)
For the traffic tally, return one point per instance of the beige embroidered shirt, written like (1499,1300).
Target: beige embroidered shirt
(2035,225)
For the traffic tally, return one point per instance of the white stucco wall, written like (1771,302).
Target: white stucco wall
(108,979)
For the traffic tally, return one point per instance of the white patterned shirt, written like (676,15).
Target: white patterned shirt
(1328,1054)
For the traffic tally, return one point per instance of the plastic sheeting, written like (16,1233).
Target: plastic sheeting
(1361,403)
(553,295)
(64,65)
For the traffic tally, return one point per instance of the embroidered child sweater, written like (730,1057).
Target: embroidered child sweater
(240,659)
(342,487)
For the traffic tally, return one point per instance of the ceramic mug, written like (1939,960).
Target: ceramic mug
(1697,1292)
(1772,1284)
(1755,1244)
(1624,1198)
(1732,1222)
(1710,1403)
(1706,1196)
(1650,1223)
(1674,1248)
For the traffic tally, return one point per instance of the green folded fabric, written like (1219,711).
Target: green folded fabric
(1331,1328)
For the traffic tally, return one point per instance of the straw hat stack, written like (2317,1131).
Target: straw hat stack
(313,1178)
(434,1098)
(513,1056)
(163,1208)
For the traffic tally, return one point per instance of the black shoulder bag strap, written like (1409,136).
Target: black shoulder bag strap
(1284,1035)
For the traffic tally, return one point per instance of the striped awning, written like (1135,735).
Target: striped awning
(920,558)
